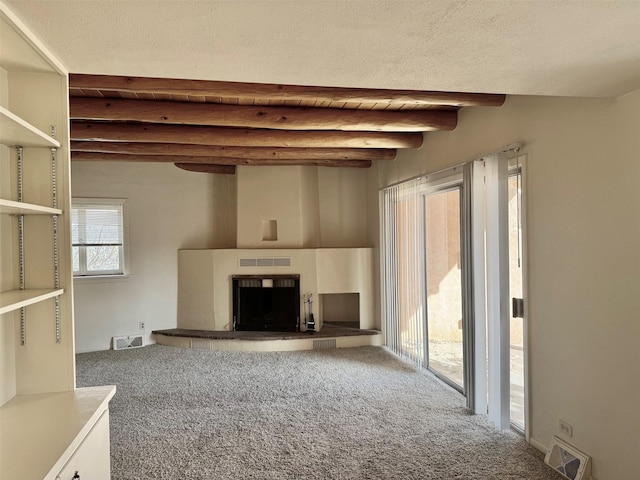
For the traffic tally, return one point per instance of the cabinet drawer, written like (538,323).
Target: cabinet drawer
(91,460)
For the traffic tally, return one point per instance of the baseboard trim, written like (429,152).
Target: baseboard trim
(538,445)
(102,349)
(91,350)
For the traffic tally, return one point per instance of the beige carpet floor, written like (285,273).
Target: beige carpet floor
(357,413)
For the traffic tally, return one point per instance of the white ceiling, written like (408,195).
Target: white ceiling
(572,48)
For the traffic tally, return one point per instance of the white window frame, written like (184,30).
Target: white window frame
(518,165)
(123,272)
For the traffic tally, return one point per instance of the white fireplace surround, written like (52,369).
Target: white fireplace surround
(204,280)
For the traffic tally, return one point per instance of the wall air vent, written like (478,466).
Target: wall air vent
(127,341)
(265,262)
(568,461)
(327,344)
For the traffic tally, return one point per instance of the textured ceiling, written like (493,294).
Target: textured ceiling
(584,48)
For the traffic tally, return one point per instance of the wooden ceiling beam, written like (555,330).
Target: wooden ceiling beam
(280,92)
(260,153)
(118,157)
(199,135)
(207,168)
(283,118)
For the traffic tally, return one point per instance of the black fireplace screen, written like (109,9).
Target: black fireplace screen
(270,303)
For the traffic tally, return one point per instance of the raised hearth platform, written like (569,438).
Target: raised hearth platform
(331,336)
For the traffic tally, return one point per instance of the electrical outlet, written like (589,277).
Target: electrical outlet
(565,428)
(141,325)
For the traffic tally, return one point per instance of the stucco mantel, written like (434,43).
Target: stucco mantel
(204,281)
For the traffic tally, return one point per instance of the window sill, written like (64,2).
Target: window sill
(101,278)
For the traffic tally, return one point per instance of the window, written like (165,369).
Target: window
(97,234)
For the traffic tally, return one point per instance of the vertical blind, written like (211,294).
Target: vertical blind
(403,298)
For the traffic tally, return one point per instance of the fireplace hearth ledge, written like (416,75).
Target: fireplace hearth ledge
(345,337)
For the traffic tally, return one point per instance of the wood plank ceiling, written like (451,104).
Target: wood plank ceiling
(210,126)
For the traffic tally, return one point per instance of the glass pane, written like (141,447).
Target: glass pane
(515,291)
(75,259)
(444,284)
(103,225)
(74,227)
(103,259)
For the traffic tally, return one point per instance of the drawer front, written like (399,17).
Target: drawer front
(91,460)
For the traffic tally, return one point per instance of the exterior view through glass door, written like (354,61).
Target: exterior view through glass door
(444,285)
(517,396)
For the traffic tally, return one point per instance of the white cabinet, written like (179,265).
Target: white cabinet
(43,418)
(91,460)
(44,435)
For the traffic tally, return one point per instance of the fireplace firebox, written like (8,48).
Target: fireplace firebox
(266,303)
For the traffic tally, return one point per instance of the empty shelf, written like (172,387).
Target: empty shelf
(15,299)
(15,131)
(20,208)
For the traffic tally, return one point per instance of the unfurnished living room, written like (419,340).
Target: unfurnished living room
(319,239)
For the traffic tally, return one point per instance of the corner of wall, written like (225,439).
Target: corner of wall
(538,445)
(232,210)
(309,207)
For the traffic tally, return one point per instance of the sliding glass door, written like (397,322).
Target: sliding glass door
(451,253)
(443,273)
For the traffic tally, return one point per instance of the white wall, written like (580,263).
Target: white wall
(169,209)
(583,197)
(314,207)
(342,200)
(265,194)
(309,208)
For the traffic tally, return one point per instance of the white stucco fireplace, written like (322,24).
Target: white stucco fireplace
(205,281)
(279,231)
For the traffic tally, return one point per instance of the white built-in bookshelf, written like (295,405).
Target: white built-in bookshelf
(48,428)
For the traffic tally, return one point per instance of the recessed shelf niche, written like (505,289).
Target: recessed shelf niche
(269,230)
